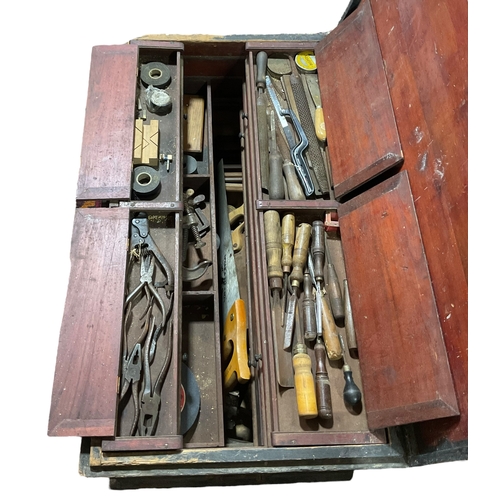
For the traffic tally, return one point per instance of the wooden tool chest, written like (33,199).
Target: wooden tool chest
(170,120)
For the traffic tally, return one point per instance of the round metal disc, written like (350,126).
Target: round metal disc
(190,399)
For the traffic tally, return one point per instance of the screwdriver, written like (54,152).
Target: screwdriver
(309,309)
(331,338)
(323,392)
(299,259)
(303,378)
(287,237)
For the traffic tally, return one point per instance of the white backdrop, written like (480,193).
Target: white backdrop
(46,49)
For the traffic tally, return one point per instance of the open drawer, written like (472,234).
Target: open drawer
(181,214)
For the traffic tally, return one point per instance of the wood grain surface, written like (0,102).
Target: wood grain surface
(108,136)
(404,364)
(84,398)
(362,133)
(425,47)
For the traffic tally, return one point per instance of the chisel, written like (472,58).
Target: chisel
(299,259)
(287,239)
(333,287)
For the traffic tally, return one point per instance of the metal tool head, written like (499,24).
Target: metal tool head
(147,268)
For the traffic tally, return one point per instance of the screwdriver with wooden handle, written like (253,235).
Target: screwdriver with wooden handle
(300,251)
(303,378)
(330,335)
(323,392)
(287,238)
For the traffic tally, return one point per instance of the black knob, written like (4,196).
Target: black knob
(352,394)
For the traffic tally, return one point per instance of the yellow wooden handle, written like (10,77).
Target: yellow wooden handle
(274,247)
(238,237)
(319,124)
(288,239)
(234,346)
(304,383)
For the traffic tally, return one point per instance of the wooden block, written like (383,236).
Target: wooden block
(194,113)
(150,144)
(138,131)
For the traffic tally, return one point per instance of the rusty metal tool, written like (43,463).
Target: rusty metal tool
(287,239)
(350,332)
(274,250)
(276,182)
(261,63)
(151,394)
(299,259)
(234,345)
(317,161)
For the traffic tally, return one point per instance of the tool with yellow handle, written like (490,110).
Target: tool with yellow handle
(300,253)
(319,119)
(234,343)
(287,239)
(305,390)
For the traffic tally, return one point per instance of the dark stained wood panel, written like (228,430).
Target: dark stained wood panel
(84,398)
(106,161)
(362,133)
(404,364)
(425,47)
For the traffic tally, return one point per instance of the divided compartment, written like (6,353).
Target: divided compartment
(157,155)
(291,89)
(164,229)
(349,424)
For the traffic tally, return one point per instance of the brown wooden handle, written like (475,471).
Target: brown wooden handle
(288,239)
(274,248)
(330,335)
(318,249)
(334,293)
(295,191)
(323,392)
(300,252)
(309,309)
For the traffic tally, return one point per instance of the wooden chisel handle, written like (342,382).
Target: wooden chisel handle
(288,239)
(295,191)
(300,252)
(330,335)
(323,392)
(309,309)
(274,248)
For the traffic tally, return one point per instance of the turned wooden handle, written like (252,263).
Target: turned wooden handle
(274,249)
(300,252)
(332,341)
(304,383)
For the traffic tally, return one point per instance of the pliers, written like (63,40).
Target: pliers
(140,238)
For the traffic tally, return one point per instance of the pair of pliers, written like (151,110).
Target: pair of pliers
(140,238)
